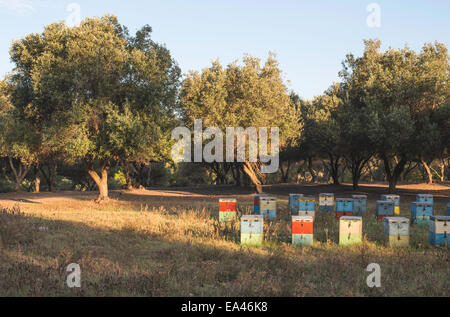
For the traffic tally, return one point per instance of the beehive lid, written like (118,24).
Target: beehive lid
(359,196)
(396,219)
(296,195)
(260,195)
(265,198)
(326,195)
(351,218)
(252,217)
(303,218)
(344,199)
(440,218)
(227,200)
(425,195)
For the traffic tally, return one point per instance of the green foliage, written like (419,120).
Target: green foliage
(94,92)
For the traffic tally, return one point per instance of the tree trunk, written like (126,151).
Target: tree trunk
(357,166)
(251,170)
(311,170)
(128,180)
(393,175)
(429,172)
(49,175)
(37,179)
(101,182)
(334,168)
(19,175)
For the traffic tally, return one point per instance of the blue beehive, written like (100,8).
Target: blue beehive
(306,204)
(439,231)
(293,201)
(448,210)
(421,212)
(359,204)
(424,198)
(326,202)
(385,208)
(344,205)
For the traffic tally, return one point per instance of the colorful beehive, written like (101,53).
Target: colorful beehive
(395,199)
(350,230)
(302,230)
(252,230)
(439,231)
(385,208)
(326,202)
(227,210)
(397,230)
(256,201)
(359,204)
(305,204)
(344,207)
(448,210)
(421,213)
(293,201)
(268,207)
(425,198)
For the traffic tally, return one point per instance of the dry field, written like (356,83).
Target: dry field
(168,242)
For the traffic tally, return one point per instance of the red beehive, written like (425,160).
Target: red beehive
(302,226)
(227,205)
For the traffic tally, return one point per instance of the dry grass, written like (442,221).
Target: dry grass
(169,243)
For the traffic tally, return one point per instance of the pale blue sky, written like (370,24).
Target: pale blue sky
(310,38)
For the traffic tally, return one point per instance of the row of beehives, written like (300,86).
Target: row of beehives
(396,228)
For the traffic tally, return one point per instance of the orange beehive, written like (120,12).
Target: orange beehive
(300,226)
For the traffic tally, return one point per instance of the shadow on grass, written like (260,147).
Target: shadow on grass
(35,253)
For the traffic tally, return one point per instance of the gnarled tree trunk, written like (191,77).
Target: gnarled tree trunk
(101,181)
(19,174)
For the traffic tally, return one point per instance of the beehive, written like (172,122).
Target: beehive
(395,199)
(306,204)
(344,207)
(440,230)
(350,230)
(227,210)
(302,230)
(425,198)
(326,202)
(397,231)
(359,204)
(448,210)
(293,201)
(385,208)
(268,207)
(256,202)
(421,213)
(252,230)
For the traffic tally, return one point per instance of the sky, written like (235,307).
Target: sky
(309,38)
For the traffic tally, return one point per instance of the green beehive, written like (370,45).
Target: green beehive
(350,230)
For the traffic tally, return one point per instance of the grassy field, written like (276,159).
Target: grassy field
(169,243)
